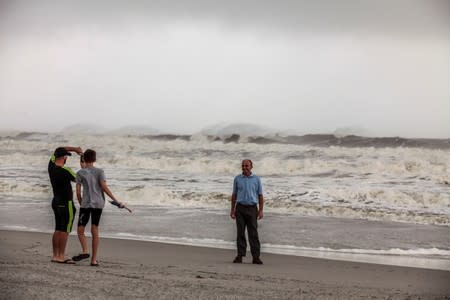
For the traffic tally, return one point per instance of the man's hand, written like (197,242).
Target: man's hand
(120,205)
(260,214)
(78,150)
(233,213)
(117,203)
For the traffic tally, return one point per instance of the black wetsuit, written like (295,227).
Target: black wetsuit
(62,204)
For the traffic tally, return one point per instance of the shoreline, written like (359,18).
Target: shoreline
(388,257)
(142,269)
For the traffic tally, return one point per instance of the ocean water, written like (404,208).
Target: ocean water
(381,200)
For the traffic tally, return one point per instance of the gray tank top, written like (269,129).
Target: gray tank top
(90,179)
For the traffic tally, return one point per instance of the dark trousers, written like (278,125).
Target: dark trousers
(246,216)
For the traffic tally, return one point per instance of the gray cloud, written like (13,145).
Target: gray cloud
(387,18)
(182,65)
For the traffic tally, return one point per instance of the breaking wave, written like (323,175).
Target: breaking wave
(247,135)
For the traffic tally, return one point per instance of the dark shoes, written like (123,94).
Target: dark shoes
(237,260)
(257,261)
(80,256)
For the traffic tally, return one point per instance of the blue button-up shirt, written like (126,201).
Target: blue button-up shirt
(247,189)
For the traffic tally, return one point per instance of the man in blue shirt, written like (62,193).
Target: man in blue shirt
(247,205)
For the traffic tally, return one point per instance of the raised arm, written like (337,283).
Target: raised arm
(74,149)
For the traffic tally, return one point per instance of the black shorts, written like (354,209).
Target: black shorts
(86,213)
(64,215)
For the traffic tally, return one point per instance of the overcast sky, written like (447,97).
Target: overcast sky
(179,66)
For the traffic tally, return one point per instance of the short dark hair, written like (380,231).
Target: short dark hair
(61,151)
(249,160)
(90,156)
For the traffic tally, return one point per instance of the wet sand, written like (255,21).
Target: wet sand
(146,270)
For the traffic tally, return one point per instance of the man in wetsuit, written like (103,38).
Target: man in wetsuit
(62,203)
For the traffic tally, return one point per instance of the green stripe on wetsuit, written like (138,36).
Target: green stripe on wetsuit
(53,159)
(69,225)
(70,171)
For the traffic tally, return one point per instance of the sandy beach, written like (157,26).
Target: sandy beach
(145,270)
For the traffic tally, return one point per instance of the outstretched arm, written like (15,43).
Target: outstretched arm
(106,189)
(108,192)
